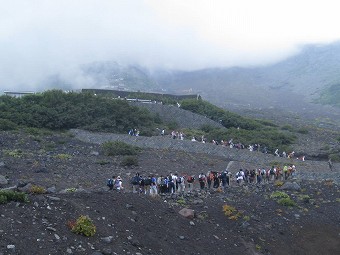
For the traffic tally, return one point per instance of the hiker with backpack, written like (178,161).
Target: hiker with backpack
(110,182)
(216,183)
(202,180)
(240,177)
(180,184)
(135,183)
(225,178)
(153,186)
(190,181)
(147,184)
(118,184)
(330,164)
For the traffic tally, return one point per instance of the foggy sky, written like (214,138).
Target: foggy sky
(40,38)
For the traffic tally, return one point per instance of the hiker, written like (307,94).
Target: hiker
(190,181)
(272,173)
(147,184)
(285,172)
(210,177)
(225,179)
(135,183)
(180,184)
(202,180)
(240,176)
(216,181)
(118,184)
(153,186)
(110,182)
(330,164)
(163,187)
(252,178)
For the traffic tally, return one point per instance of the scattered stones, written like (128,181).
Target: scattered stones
(51,190)
(187,213)
(107,239)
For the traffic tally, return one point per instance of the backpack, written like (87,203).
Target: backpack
(147,181)
(135,180)
(271,171)
(179,180)
(109,183)
(190,179)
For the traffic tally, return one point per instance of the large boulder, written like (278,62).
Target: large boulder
(187,213)
(291,186)
(3,180)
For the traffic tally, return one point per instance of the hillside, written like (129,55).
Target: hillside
(74,174)
(63,175)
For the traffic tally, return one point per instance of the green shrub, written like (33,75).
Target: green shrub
(335,157)
(172,125)
(129,161)
(181,202)
(10,195)
(84,226)
(286,201)
(7,125)
(102,162)
(14,153)
(119,148)
(302,131)
(3,199)
(63,156)
(279,194)
(35,189)
(304,198)
(287,127)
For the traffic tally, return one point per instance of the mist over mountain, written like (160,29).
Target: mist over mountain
(306,84)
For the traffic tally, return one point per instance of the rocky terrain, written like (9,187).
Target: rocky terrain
(73,169)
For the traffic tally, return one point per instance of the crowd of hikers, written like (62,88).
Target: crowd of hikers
(179,184)
(231,144)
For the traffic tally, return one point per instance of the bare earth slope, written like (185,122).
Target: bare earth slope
(130,223)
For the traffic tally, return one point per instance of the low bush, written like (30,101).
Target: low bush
(286,201)
(7,125)
(231,212)
(279,194)
(83,226)
(13,153)
(304,198)
(63,156)
(129,161)
(102,162)
(10,195)
(119,148)
(302,131)
(35,189)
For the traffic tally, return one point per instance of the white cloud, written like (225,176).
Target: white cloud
(40,38)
